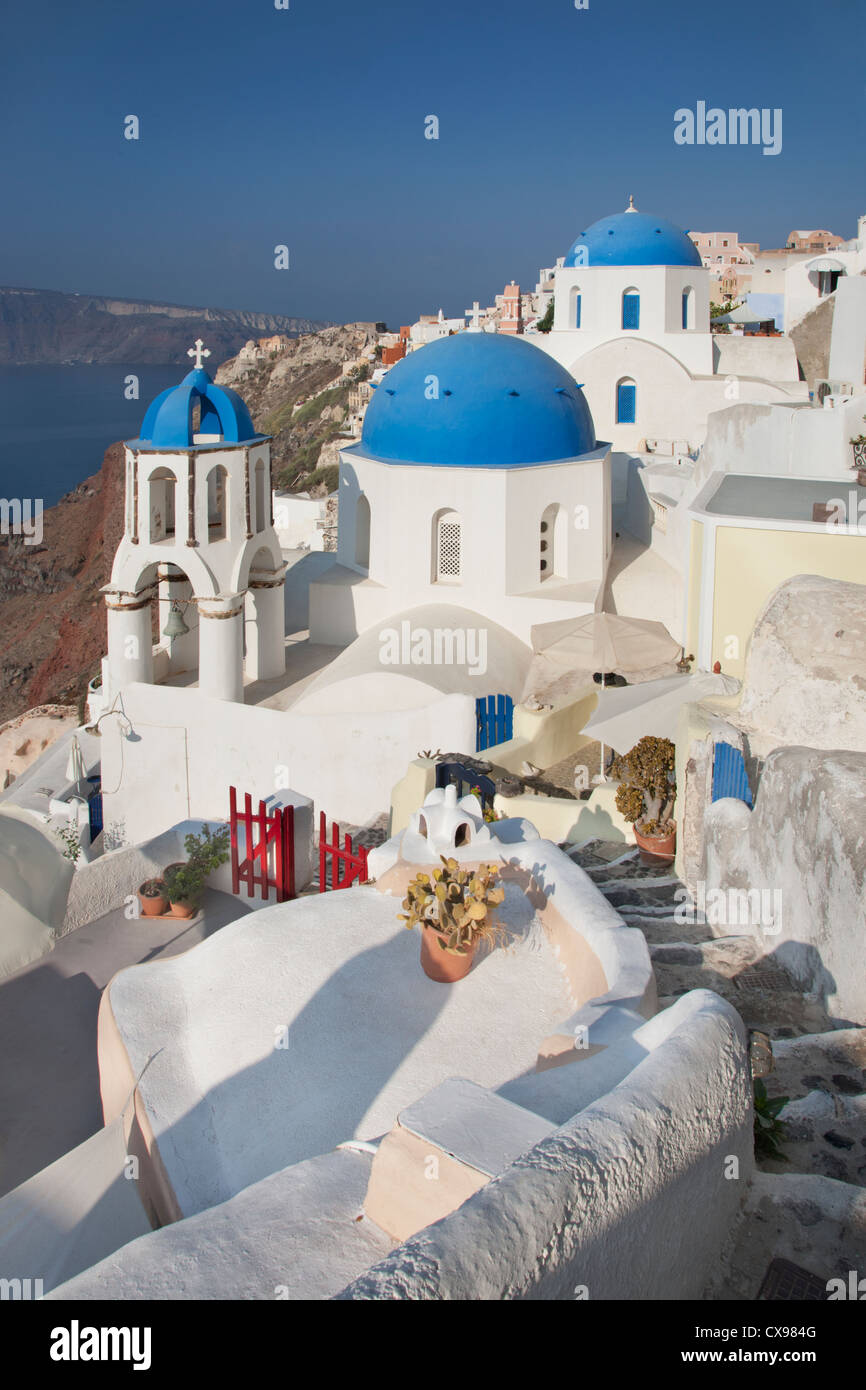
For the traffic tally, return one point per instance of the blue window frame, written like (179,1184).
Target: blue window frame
(686,309)
(626,402)
(631,311)
(577,299)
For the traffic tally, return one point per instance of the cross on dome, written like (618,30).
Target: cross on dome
(198,352)
(631,207)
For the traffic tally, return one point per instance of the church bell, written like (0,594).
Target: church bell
(174,623)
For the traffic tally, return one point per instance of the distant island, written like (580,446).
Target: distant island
(42,327)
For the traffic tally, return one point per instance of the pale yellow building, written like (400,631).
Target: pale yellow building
(748,535)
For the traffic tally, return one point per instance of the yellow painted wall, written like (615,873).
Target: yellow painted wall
(751,563)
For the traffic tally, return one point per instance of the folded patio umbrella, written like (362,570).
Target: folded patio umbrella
(75,769)
(568,651)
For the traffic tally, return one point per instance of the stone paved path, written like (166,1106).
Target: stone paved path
(822,1068)
(804,1219)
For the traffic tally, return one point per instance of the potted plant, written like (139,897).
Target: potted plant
(185,881)
(153,898)
(646,795)
(184,884)
(453,910)
(859,445)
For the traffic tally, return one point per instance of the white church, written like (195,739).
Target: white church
(199,539)
(632,325)
(475,505)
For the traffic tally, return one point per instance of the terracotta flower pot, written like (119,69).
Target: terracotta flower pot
(184,909)
(440,965)
(179,908)
(656,849)
(152,907)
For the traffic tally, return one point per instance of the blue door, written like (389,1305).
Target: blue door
(494,720)
(729,774)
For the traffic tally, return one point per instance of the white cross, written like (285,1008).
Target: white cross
(198,352)
(475,311)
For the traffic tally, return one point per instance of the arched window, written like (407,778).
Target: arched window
(217,488)
(688,307)
(631,309)
(362,533)
(447,548)
(576,299)
(162,484)
(261,516)
(626,401)
(552,542)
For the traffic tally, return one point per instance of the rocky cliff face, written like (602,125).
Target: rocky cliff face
(296,392)
(44,326)
(52,615)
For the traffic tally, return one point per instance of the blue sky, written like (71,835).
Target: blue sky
(305,127)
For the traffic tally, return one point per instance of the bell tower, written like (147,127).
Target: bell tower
(199,544)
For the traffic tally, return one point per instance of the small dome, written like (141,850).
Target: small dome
(478,400)
(168,423)
(633,238)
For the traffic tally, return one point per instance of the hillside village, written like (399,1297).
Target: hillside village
(560,600)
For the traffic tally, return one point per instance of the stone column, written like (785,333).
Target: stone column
(130,641)
(220,647)
(265,624)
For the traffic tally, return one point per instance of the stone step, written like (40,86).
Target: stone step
(659,929)
(824,1133)
(763,995)
(834,1061)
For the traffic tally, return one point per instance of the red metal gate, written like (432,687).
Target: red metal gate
(354,865)
(275,828)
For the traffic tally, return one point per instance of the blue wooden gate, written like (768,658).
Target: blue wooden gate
(729,774)
(494,720)
(466,779)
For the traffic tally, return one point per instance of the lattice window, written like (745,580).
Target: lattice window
(626,402)
(449,549)
(631,309)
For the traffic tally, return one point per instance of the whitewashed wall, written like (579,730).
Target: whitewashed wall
(187,749)
(804,841)
(598,1209)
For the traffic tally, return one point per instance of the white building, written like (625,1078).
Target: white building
(199,536)
(299,520)
(428,329)
(632,325)
(478,483)
(812,279)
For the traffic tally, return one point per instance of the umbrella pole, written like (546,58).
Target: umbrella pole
(601,773)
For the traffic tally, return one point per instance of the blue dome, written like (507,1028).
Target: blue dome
(478,400)
(633,238)
(168,422)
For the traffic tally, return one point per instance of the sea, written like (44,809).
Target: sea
(56,422)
